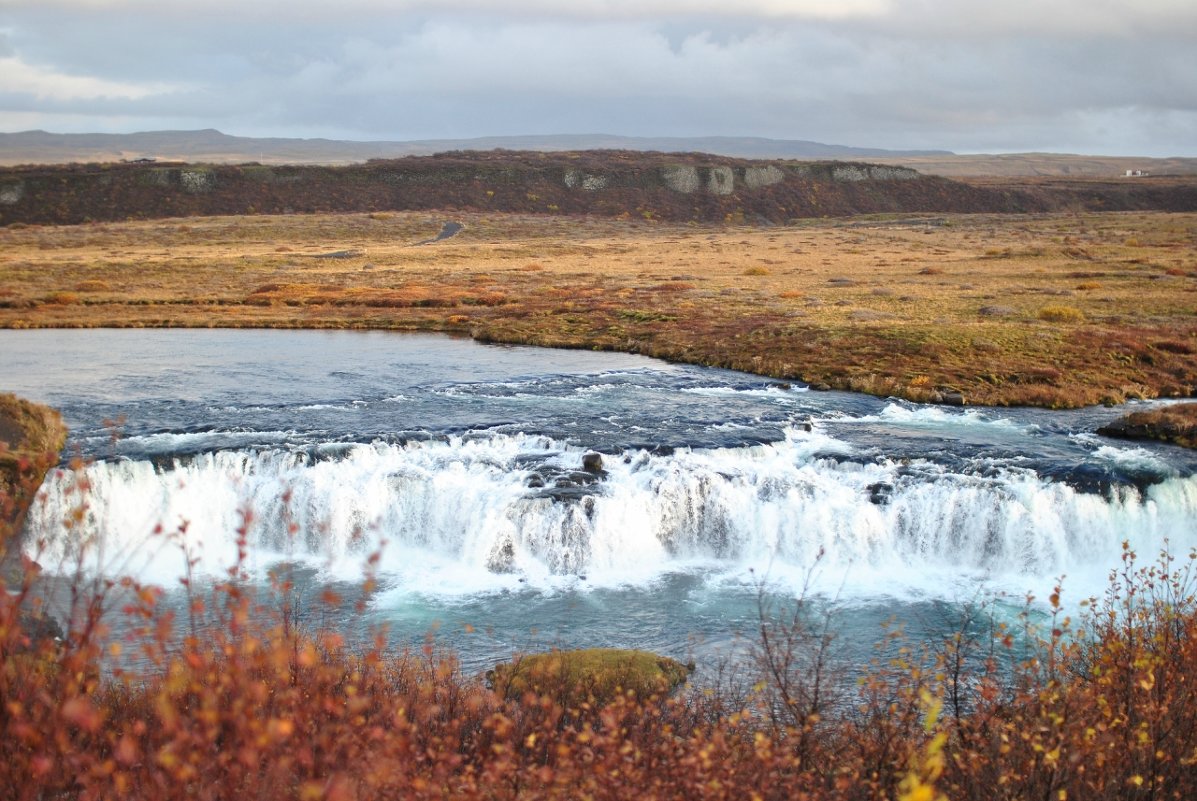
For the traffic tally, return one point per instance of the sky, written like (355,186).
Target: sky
(1080,76)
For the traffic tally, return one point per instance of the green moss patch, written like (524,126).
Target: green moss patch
(592,675)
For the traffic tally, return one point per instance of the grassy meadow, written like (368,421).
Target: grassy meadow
(1050,310)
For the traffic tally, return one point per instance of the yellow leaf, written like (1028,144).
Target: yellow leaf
(311,791)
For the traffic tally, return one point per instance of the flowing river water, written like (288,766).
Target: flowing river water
(460,466)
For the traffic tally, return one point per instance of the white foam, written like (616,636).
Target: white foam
(1136,459)
(939,417)
(166,442)
(770,392)
(442,514)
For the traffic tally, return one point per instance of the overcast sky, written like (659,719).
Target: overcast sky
(1086,76)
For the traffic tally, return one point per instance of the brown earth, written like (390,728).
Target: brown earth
(1056,310)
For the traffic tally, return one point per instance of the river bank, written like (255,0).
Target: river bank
(31,436)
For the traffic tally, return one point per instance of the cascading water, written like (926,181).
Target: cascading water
(461,466)
(460,516)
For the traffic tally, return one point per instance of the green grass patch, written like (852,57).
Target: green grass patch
(591,675)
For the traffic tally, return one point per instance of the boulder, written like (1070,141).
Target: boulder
(502,558)
(950,397)
(39,628)
(879,493)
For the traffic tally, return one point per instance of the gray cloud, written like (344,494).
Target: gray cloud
(1091,77)
(932,18)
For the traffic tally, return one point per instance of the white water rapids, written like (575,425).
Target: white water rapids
(460,466)
(459,516)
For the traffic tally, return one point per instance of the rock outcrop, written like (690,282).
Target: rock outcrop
(657,186)
(680,187)
(30,438)
(1176,424)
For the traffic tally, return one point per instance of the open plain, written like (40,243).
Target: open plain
(1055,310)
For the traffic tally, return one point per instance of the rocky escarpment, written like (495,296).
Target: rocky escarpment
(676,187)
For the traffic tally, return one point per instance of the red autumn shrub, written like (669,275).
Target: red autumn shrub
(244,704)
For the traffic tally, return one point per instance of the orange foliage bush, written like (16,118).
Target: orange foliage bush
(246,706)
(62,298)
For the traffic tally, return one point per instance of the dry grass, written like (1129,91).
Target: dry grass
(1061,314)
(1176,424)
(590,675)
(863,304)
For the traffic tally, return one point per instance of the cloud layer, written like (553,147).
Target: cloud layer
(1100,76)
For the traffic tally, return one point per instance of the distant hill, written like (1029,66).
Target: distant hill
(213,147)
(1048,165)
(610,183)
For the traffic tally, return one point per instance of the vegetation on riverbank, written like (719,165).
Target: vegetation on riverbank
(31,436)
(1051,310)
(589,675)
(1175,423)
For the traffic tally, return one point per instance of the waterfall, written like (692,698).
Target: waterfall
(464,515)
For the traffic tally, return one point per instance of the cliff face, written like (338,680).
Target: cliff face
(676,187)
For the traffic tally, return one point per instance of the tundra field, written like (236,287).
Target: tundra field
(1057,310)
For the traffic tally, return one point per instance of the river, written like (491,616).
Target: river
(460,466)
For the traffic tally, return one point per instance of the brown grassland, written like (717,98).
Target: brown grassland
(1059,310)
